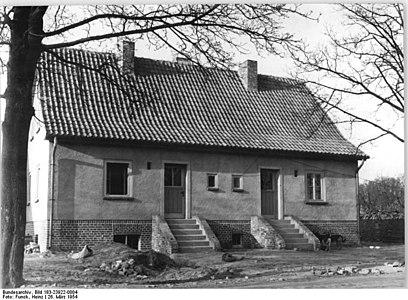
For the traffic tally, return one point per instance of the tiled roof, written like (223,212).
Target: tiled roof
(168,102)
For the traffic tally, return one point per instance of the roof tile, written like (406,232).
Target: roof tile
(86,95)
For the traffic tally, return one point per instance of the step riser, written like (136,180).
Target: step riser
(284,226)
(195,249)
(185,226)
(289,231)
(187,232)
(181,221)
(279,222)
(292,236)
(189,237)
(194,244)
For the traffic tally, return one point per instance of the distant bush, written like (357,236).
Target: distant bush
(382,198)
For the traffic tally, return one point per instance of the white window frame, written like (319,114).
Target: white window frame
(241,183)
(129,179)
(322,186)
(215,187)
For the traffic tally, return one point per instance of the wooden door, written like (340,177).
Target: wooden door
(269,193)
(174,191)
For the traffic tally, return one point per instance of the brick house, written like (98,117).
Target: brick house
(176,157)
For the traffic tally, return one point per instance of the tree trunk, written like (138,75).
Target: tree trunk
(24,52)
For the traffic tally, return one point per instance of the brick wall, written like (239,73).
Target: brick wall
(224,229)
(74,234)
(348,229)
(387,231)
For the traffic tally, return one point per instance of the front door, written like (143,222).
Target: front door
(269,193)
(174,191)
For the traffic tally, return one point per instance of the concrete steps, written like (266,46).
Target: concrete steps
(293,238)
(188,235)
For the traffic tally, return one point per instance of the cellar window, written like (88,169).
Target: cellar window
(132,240)
(237,240)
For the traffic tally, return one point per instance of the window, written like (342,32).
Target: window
(314,187)
(132,240)
(237,183)
(212,182)
(237,240)
(173,176)
(117,179)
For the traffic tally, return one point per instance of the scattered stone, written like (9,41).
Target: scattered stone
(340,272)
(246,277)
(32,248)
(396,264)
(228,257)
(351,269)
(364,271)
(377,271)
(85,252)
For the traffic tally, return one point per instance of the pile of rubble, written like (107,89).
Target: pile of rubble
(119,259)
(126,267)
(31,248)
(347,271)
(395,264)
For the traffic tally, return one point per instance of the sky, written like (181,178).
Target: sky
(386,154)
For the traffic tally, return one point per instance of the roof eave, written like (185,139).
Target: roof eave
(205,148)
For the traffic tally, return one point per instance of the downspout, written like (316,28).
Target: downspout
(52,198)
(357,199)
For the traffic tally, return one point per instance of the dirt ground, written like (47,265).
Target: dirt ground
(348,267)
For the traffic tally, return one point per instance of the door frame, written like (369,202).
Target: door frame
(187,187)
(280,190)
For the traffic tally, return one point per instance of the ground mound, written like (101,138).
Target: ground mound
(118,258)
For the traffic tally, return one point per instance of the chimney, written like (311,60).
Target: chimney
(183,61)
(248,73)
(128,53)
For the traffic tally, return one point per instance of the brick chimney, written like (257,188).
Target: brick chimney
(183,61)
(248,73)
(128,53)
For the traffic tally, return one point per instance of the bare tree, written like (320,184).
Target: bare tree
(382,198)
(366,62)
(198,32)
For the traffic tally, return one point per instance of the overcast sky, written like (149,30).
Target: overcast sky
(387,154)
